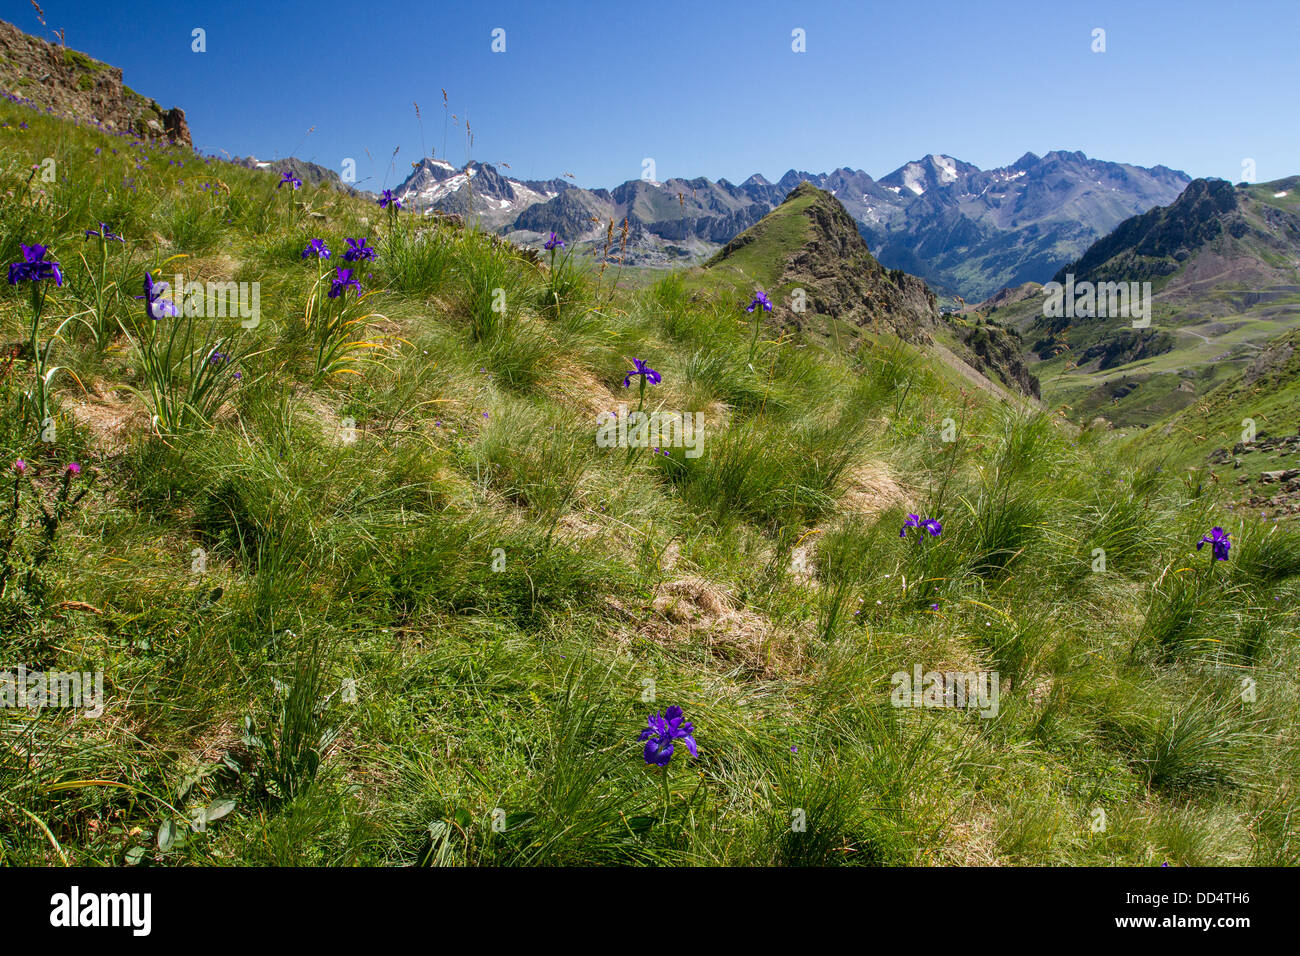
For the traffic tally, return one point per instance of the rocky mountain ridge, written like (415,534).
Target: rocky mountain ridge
(961,228)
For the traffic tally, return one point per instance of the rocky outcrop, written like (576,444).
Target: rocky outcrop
(998,352)
(1008,296)
(66,83)
(842,278)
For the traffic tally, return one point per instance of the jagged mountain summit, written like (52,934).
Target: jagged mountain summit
(810,243)
(963,229)
(477,189)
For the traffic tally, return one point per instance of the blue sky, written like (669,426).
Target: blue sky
(710,88)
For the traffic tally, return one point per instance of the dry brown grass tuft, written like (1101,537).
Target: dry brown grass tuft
(577,387)
(871,489)
(691,610)
(109,416)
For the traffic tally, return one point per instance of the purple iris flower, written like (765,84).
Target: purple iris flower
(316,248)
(760,298)
(103,232)
(34,267)
(289,179)
(388,199)
(358,250)
(663,729)
(651,376)
(219,357)
(343,279)
(1218,542)
(158,306)
(555,242)
(928,525)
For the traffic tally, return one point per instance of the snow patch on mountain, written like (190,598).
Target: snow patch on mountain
(913,177)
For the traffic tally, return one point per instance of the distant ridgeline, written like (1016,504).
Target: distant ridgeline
(67,83)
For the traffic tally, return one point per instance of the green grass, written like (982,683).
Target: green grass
(410,613)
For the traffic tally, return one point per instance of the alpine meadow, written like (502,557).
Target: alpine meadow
(451,517)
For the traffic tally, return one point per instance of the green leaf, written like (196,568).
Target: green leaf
(167,835)
(218,809)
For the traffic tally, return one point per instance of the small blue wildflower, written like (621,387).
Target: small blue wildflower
(103,232)
(929,525)
(158,306)
(358,250)
(660,733)
(316,248)
(342,280)
(1218,541)
(34,267)
(651,376)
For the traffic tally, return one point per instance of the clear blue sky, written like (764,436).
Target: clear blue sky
(711,88)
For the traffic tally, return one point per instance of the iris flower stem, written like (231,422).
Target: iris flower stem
(663,771)
(631,448)
(38,393)
(100,336)
(551,277)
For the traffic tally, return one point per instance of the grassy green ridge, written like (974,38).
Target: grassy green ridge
(429,615)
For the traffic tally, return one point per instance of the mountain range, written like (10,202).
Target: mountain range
(964,230)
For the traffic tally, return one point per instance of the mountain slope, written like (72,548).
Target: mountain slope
(1245,433)
(1223,262)
(823,281)
(70,84)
